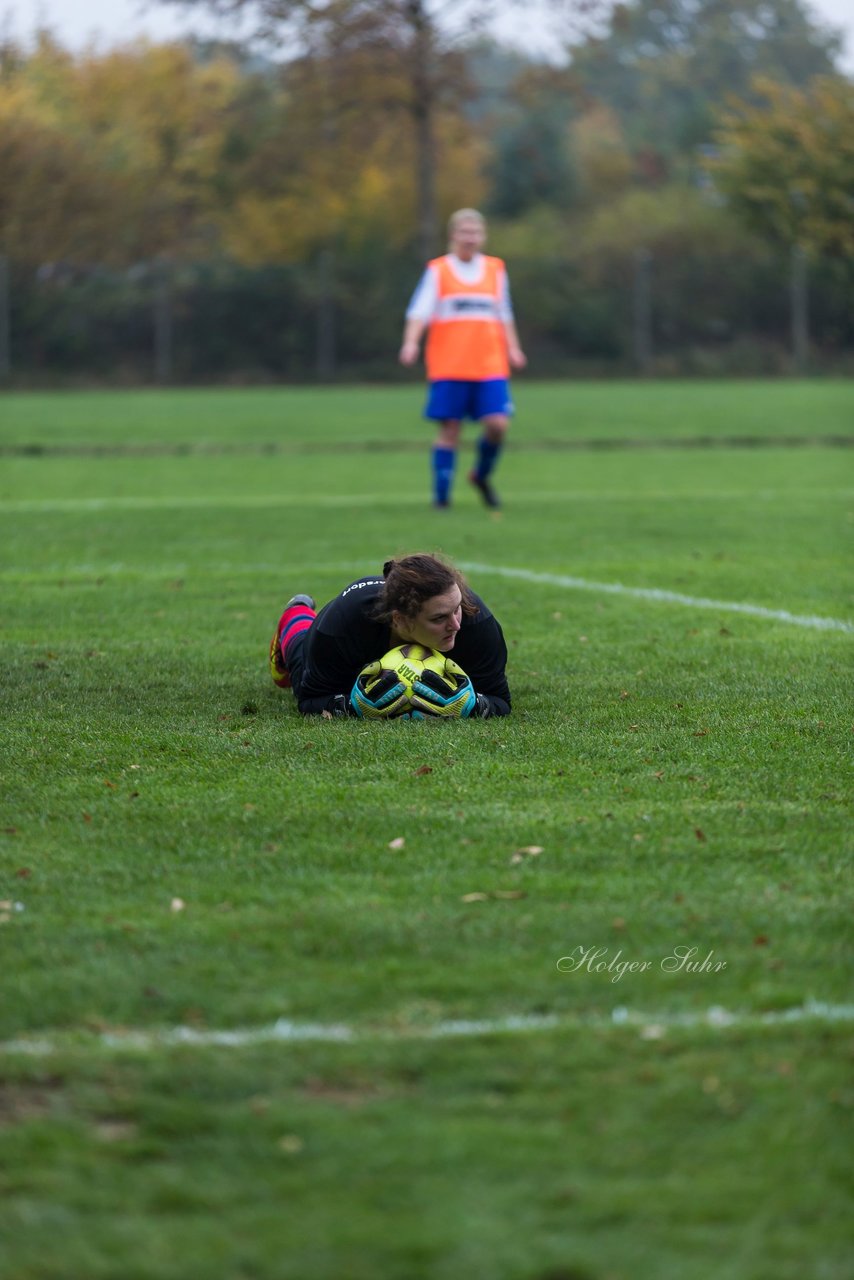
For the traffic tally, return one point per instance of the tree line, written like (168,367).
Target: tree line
(706,131)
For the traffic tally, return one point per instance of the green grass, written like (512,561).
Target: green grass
(684,769)
(547,412)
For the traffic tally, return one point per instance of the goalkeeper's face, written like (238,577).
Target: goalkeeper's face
(435,625)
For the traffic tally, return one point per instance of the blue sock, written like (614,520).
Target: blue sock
(487,457)
(444,461)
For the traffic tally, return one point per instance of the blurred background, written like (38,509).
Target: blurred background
(223,191)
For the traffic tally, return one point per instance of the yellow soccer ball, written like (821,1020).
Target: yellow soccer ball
(412,681)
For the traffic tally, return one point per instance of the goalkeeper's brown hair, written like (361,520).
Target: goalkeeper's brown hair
(416,578)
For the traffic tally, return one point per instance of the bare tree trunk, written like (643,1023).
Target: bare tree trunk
(325,330)
(799,300)
(642,310)
(162,322)
(423,105)
(5,320)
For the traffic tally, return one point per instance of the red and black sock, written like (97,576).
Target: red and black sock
(297,618)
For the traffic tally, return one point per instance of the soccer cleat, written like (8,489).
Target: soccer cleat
(307,600)
(485,490)
(278,667)
(278,670)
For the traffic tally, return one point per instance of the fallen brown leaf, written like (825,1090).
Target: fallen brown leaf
(115,1130)
(290,1143)
(529,851)
(425,768)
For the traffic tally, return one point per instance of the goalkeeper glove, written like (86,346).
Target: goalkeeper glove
(449,694)
(378,694)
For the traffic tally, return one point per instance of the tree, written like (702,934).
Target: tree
(111,158)
(604,163)
(665,66)
(532,163)
(786,163)
(400,40)
(324,170)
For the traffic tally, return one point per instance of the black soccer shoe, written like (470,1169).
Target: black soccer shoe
(486,491)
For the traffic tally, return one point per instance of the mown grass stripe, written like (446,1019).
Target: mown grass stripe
(660,595)
(284,501)
(270,448)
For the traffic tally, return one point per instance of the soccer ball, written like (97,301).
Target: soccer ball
(385,689)
(387,684)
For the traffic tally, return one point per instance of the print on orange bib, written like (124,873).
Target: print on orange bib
(466,338)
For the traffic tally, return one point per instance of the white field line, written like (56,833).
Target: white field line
(308,498)
(661,596)
(649,1026)
(170,572)
(658,595)
(148,502)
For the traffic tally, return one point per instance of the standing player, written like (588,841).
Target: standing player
(463,304)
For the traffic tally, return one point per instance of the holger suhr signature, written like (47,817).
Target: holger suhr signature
(682,959)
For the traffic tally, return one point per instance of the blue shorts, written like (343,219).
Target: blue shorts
(452,400)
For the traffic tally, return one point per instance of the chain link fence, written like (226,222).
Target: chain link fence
(340,319)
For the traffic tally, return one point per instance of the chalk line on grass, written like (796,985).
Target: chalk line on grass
(649,1026)
(661,596)
(657,595)
(310,498)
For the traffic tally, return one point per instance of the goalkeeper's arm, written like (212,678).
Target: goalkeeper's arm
(489,705)
(333,704)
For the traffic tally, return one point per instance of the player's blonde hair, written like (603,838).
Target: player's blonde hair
(462,215)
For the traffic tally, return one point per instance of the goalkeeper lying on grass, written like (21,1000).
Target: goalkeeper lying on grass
(419,599)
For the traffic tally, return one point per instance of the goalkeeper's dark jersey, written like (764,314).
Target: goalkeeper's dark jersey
(344,637)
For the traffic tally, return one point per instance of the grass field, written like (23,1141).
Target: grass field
(244,1032)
